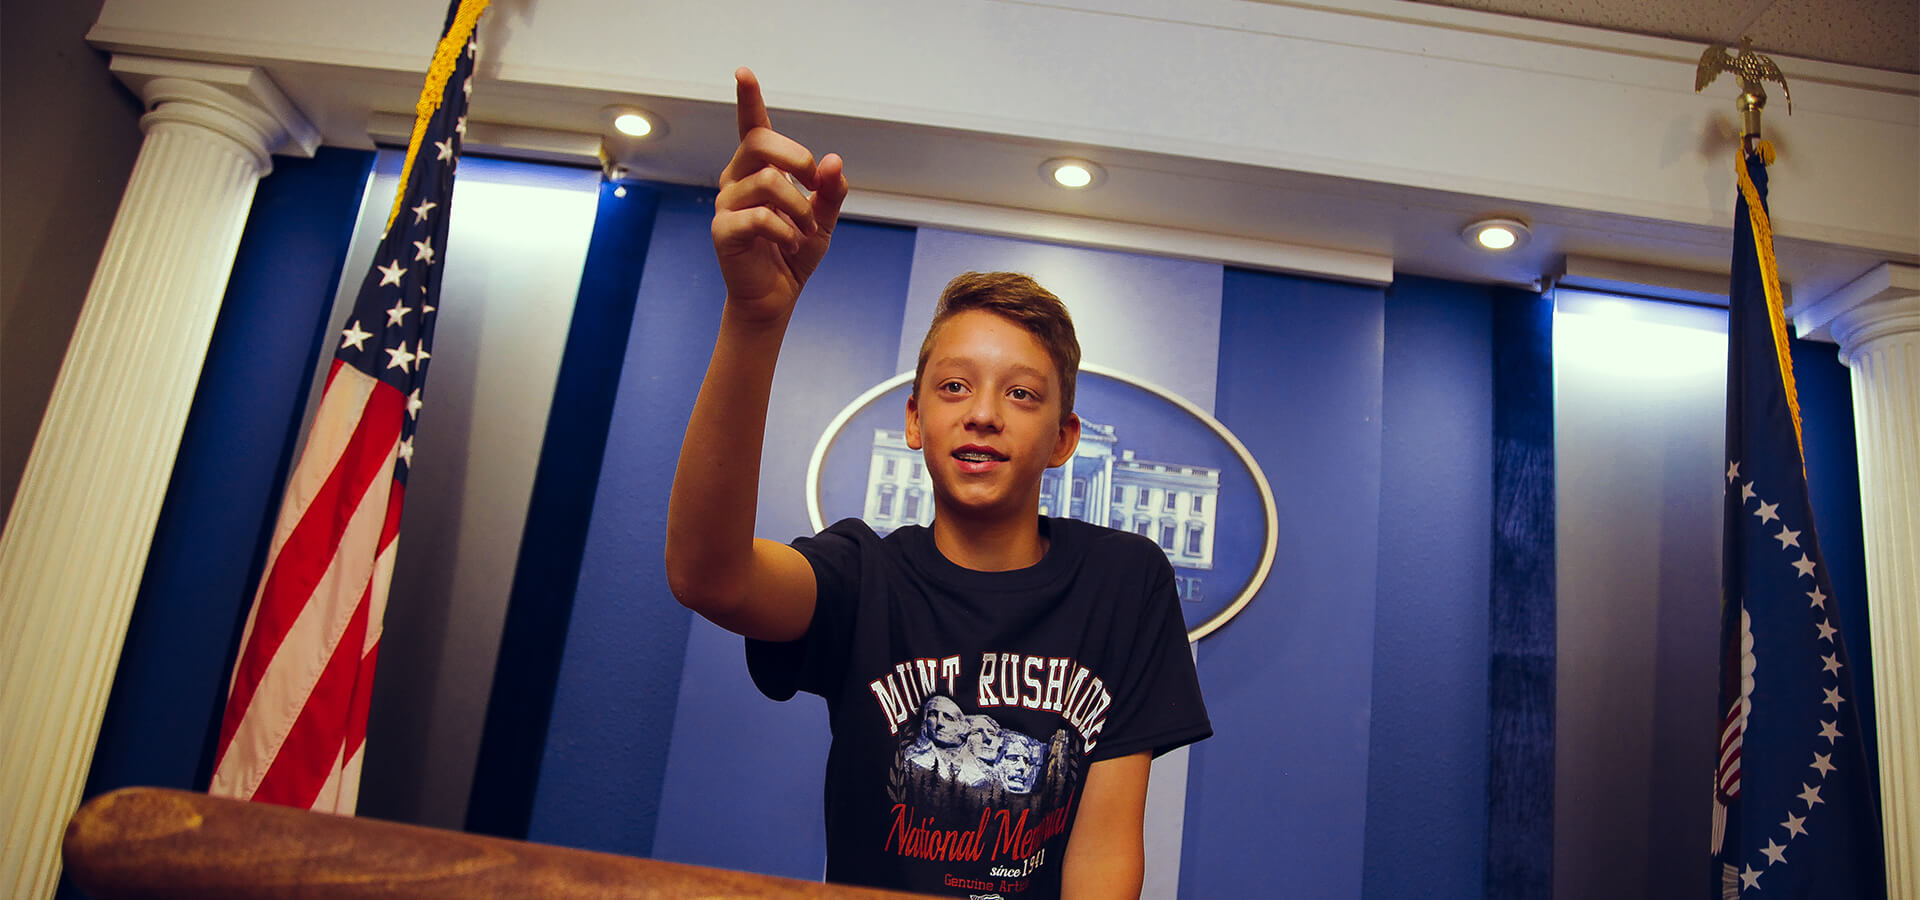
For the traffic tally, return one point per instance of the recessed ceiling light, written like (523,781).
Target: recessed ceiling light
(632,124)
(1496,234)
(1074,174)
(629,121)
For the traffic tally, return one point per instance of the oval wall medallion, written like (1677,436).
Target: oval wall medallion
(1149,462)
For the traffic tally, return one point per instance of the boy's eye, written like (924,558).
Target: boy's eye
(1020,394)
(952,387)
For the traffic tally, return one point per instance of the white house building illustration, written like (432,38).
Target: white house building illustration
(1172,503)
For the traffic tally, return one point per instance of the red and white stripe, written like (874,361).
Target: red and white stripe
(1733,737)
(1733,729)
(296,717)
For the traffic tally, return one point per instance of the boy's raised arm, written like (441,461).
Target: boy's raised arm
(769,234)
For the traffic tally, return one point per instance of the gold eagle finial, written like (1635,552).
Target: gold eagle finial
(1752,69)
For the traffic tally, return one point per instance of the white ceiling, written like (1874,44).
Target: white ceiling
(1877,34)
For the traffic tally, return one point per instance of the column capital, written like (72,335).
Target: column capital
(1886,300)
(240,102)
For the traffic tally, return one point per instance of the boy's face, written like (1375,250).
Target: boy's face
(987,418)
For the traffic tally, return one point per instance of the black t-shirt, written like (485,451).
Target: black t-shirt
(966,706)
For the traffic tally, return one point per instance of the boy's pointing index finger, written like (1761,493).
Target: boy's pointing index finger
(749,109)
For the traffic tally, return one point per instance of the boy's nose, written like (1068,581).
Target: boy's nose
(983,413)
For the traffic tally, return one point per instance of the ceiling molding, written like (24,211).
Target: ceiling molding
(1340,265)
(1885,282)
(1642,280)
(571,148)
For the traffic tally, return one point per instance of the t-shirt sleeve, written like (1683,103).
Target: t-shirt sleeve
(813,662)
(1158,705)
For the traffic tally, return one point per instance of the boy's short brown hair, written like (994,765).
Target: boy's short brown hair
(1020,300)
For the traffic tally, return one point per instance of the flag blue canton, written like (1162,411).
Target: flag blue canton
(389,334)
(1796,814)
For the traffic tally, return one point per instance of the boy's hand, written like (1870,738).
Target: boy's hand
(768,233)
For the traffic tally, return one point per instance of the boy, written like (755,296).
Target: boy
(997,683)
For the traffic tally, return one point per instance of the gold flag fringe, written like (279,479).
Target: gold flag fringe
(445,56)
(1770,280)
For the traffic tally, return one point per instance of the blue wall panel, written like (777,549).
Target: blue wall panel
(506,775)
(1523,613)
(1427,772)
(613,703)
(1276,799)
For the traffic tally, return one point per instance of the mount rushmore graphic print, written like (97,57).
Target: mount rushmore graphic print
(967,789)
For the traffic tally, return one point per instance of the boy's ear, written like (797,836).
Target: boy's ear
(913,423)
(1068,441)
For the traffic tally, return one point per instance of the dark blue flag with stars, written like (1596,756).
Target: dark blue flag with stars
(1795,811)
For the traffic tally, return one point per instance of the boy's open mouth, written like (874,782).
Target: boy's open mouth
(978,455)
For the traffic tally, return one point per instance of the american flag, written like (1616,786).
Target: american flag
(1795,815)
(296,716)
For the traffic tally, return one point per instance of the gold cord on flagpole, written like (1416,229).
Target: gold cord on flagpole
(1770,280)
(445,56)
(1752,69)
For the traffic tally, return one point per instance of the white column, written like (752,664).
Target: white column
(77,538)
(1876,321)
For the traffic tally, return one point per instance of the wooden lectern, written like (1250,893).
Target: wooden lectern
(158,843)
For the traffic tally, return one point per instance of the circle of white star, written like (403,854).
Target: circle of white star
(1795,826)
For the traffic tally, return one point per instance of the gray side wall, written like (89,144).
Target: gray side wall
(69,134)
